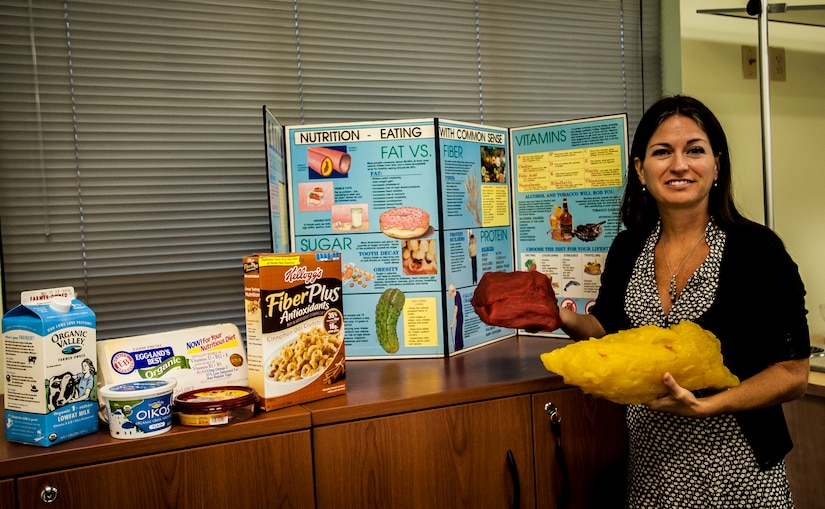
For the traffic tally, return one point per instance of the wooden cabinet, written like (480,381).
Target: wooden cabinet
(469,431)
(265,461)
(412,433)
(806,462)
(453,457)
(7,493)
(590,471)
(457,456)
(273,471)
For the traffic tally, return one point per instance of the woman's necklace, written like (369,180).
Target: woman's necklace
(673,275)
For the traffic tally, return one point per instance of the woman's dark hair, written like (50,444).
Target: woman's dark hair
(638,207)
(91,365)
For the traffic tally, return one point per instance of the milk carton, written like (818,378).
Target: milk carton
(51,380)
(294,327)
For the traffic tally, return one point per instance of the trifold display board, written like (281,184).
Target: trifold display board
(421,208)
(276,176)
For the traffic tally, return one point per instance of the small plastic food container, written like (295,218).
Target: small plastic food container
(215,406)
(139,409)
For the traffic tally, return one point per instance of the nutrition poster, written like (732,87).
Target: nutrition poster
(568,179)
(392,198)
(276,171)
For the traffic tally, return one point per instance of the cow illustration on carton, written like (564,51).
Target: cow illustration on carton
(69,387)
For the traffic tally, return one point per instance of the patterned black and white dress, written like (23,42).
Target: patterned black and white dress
(681,462)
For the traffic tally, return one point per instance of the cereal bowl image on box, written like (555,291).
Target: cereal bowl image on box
(297,362)
(139,409)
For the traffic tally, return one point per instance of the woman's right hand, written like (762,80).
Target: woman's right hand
(580,326)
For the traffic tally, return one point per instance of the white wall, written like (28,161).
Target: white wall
(711,70)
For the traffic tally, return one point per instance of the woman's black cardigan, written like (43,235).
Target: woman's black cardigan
(758,315)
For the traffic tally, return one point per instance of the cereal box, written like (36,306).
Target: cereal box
(294,327)
(51,381)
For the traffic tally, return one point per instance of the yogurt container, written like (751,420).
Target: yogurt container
(215,406)
(139,409)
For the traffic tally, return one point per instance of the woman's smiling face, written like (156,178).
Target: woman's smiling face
(679,166)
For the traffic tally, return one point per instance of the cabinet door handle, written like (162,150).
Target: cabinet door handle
(511,464)
(48,494)
(555,427)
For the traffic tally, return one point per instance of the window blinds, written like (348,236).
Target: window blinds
(131,140)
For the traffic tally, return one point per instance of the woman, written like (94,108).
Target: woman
(688,254)
(86,381)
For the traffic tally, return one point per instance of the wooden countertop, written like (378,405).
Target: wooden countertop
(375,388)
(816,379)
(816,384)
(508,367)
(384,387)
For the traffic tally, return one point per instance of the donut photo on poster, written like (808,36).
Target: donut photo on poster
(405,223)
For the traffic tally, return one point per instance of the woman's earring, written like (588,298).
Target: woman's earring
(715,184)
(644,188)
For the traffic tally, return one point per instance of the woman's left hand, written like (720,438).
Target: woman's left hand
(774,385)
(678,401)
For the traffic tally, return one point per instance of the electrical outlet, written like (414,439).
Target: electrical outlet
(776,63)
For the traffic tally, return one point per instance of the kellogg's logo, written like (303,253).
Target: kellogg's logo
(294,274)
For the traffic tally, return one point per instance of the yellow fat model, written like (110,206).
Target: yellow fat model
(627,367)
